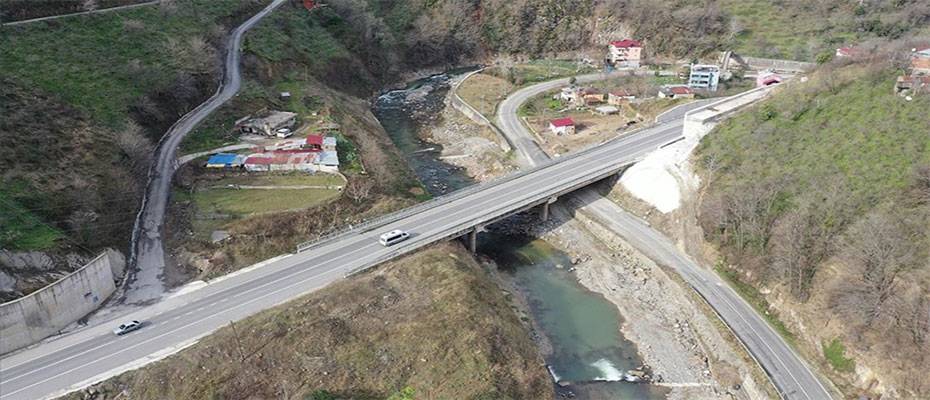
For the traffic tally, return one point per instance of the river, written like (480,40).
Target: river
(580,327)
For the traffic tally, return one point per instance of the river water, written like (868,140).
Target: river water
(581,327)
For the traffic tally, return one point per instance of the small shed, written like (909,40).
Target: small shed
(329,161)
(329,143)
(314,143)
(676,92)
(562,126)
(607,110)
(225,160)
(619,96)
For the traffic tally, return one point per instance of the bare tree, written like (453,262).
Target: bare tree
(359,190)
(921,183)
(137,149)
(876,251)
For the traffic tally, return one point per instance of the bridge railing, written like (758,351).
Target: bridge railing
(375,222)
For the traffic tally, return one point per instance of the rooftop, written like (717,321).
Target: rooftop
(222,158)
(561,122)
(626,43)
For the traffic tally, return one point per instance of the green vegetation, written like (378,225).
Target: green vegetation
(22,230)
(835,353)
(217,202)
(18,10)
(433,321)
(536,71)
(406,393)
(801,30)
(756,299)
(84,100)
(104,64)
(822,194)
(217,129)
(241,202)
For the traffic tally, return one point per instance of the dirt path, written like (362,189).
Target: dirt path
(147,258)
(105,10)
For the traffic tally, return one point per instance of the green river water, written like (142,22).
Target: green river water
(582,327)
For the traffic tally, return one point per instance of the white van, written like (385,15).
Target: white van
(393,237)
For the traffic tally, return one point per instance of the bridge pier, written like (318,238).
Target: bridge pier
(473,239)
(544,213)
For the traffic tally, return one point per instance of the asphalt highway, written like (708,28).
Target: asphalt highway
(790,374)
(83,357)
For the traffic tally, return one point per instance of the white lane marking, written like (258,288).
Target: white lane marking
(567,170)
(289,276)
(592,158)
(684,263)
(110,355)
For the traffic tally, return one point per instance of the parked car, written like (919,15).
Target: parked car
(393,237)
(284,132)
(127,327)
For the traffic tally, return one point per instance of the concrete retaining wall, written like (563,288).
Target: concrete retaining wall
(473,114)
(49,310)
(778,65)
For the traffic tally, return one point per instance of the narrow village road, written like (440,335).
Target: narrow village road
(147,258)
(791,375)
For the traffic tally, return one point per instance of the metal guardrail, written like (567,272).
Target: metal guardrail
(368,225)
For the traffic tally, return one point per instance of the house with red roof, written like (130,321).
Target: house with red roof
(313,154)
(848,51)
(625,53)
(920,61)
(314,143)
(676,92)
(562,126)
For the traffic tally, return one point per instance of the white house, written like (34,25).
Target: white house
(562,126)
(625,53)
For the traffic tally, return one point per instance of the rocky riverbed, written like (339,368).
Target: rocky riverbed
(683,346)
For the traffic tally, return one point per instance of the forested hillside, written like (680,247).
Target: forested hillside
(821,197)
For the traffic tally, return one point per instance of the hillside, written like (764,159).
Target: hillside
(432,322)
(84,99)
(818,198)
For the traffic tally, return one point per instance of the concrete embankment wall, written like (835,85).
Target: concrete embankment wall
(47,311)
(473,114)
(778,65)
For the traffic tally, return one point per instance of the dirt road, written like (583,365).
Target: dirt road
(147,257)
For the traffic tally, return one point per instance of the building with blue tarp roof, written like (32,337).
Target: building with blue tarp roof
(225,160)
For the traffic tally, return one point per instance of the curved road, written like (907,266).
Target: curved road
(148,252)
(92,354)
(790,374)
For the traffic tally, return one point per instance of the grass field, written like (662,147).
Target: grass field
(214,197)
(483,92)
(217,203)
